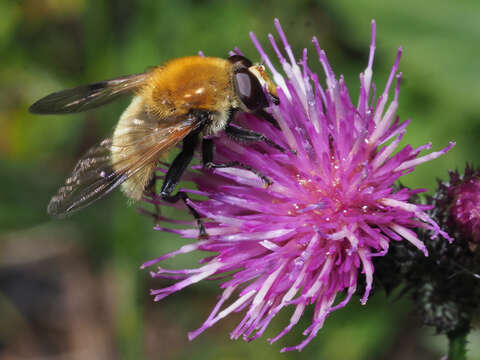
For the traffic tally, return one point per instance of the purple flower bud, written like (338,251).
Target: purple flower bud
(461,201)
(444,287)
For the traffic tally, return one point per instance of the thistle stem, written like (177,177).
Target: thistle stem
(457,345)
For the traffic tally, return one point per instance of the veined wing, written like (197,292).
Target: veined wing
(87,97)
(98,172)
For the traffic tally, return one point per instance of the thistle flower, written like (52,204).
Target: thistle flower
(332,207)
(445,287)
(459,201)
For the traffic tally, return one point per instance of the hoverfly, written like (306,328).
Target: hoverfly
(179,101)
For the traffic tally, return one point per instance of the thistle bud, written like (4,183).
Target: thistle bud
(460,200)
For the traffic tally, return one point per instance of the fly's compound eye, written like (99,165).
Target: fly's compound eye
(240,61)
(249,90)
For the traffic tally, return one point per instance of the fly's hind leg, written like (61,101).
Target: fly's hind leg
(175,172)
(180,195)
(150,190)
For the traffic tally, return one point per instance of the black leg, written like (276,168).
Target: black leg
(180,195)
(240,134)
(150,191)
(208,149)
(175,172)
(179,165)
(240,165)
(267,117)
(232,114)
(260,113)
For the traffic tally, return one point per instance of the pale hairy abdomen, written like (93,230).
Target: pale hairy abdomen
(127,140)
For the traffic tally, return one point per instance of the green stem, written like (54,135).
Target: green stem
(457,345)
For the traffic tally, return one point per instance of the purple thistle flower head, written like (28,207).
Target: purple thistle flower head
(305,239)
(466,208)
(459,198)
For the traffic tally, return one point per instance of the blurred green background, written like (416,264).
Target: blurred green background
(72,289)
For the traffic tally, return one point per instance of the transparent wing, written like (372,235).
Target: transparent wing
(87,97)
(98,172)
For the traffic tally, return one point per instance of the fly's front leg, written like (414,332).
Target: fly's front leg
(245,135)
(267,117)
(208,150)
